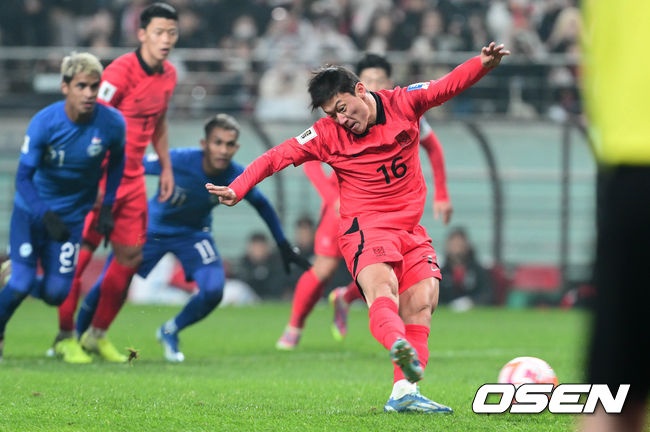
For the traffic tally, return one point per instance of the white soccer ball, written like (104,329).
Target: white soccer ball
(522,370)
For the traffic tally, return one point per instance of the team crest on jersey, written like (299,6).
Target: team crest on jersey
(106,91)
(418,86)
(95,147)
(403,138)
(307,136)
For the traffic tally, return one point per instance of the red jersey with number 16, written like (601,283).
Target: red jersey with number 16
(379,174)
(142,95)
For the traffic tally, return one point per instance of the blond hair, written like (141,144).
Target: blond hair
(80,63)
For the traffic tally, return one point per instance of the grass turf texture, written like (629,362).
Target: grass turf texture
(234,379)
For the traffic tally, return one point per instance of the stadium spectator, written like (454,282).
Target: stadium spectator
(466,282)
(477,30)
(281,92)
(129,19)
(26,23)
(379,38)
(566,31)
(330,43)
(289,37)
(303,236)
(260,268)
(56,184)
(547,13)
(617,92)
(182,225)
(140,84)
(370,140)
(425,43)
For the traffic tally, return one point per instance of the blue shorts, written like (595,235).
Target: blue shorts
(28,241)
(194,251)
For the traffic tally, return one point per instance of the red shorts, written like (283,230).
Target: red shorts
(409,253)
(326,240)
(129,215)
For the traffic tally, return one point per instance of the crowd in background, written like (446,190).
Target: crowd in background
(263,41)
(307,27)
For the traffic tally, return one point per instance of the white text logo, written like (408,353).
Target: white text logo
(535,398)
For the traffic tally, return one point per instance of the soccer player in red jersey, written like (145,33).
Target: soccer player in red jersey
(370,140)
(374,72)
(140,85)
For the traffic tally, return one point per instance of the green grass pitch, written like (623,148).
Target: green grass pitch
(234,379)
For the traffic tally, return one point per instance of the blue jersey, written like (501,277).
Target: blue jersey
(67,158)
(190,207)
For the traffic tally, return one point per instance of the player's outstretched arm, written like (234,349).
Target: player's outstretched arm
(226,195)
(426,95)
(492,54)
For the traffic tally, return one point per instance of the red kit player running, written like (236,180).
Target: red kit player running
(140,85)
(374,72)
(371,142)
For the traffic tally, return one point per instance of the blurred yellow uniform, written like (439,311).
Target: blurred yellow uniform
(617,95)
(617,79)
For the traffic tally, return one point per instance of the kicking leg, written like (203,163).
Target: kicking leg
(417,304)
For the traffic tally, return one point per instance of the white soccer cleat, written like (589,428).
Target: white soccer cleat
(415,402)
(169,342)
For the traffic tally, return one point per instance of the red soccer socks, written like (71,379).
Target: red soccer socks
(308,291)
(385,323)
(112,294)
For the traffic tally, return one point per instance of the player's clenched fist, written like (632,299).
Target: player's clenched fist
(491,55)
(226,195)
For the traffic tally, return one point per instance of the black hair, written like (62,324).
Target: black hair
(157,10)
(258,236)
(223,121)
(305,221)
(328,81)
(458,232)
(371,60)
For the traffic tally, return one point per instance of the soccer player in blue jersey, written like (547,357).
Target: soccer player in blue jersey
(182,225)
(56,185)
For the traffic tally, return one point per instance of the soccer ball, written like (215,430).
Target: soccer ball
(522,370)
